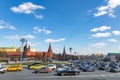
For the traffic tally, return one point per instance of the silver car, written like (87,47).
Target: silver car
(2,69)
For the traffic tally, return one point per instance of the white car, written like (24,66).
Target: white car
(51,66)
(2,69)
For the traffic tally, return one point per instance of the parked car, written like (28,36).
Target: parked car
(43,70)
(68,71)
(51,66)
(2,69)
(104,66)
(115,69)
(15,68)
(60,65)
(112,64)
(88,69)
(33,64)
(37,66)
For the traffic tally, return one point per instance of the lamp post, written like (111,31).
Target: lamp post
(22,41)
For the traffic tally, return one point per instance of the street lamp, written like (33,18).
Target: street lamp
(22,41)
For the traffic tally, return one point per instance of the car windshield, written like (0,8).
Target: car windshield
(67,69)
(13,66)
(74,69)
(37,65)
(1,67)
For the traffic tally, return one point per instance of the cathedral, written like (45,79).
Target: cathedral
(26,53)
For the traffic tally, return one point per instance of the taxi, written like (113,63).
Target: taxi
(15,68)
(38,66)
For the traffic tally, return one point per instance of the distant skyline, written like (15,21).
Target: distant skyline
(88,26)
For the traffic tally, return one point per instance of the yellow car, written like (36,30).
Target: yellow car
(15,68)
(36,67)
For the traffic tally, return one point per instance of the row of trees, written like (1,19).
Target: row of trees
(76,57)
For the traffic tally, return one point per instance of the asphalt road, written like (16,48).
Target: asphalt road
(28,75)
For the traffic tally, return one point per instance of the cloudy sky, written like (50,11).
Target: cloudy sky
(88,26)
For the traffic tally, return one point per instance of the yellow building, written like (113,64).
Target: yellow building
(8,49)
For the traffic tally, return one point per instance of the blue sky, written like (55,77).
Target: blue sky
(88,26)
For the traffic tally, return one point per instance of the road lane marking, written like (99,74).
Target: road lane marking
(52,77)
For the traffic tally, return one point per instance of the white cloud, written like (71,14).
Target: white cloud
(116,32)
(101,35)
(102,28)
(38,30)
(112,40)
(108,9)
(18,37)
(89,11)
(39,16)
(27,8)
(98,45)
(29,36)
(2,21)
(55,40)
(12,37)
(5,25)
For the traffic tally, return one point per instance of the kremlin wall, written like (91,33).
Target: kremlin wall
(27,53)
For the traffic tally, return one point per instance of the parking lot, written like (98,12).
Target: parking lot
(29,75)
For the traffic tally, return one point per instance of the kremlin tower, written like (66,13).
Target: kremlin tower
(64,54)
(49,52)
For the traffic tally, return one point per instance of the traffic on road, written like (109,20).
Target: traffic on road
(81,70)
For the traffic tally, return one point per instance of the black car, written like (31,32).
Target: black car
(104,66)
(33,64)
(88,69)
(68,71)
(115,69)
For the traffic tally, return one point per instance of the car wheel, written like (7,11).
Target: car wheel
(49,71)
(4,71)
(37,72)
(62,74)
(17,70)
(76,73)
(53,69)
